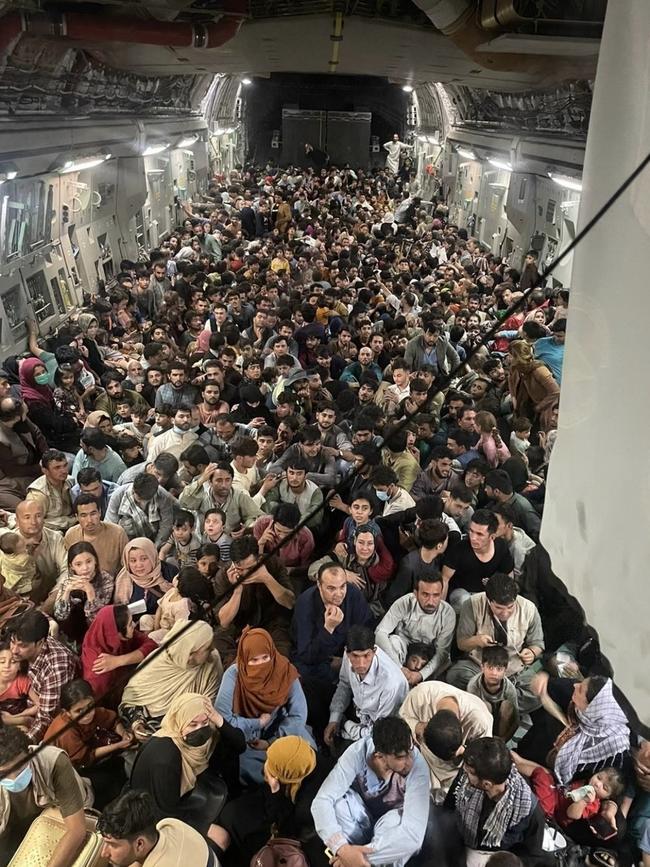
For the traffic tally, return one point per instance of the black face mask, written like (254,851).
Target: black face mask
(199,737)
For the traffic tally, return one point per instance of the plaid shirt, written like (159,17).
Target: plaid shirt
(53,667)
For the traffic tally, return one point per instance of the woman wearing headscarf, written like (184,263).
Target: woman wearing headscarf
(293,774)
(110,650)
(142,576)
(251,406)
(187,662)
(261,695)
(89,325)
(184,765)
(61,430)
(532,386)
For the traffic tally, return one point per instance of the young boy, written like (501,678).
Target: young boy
(124,407)
(498,693)
(138,426)
(520,436)
(213,524)
(184,544)
(208,558)
(417,656)
(130,449)
(359,513)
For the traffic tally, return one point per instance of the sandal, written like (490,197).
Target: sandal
(602,858)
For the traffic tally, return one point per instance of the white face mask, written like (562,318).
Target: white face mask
(381,495)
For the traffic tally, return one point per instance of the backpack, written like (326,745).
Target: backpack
(280,852)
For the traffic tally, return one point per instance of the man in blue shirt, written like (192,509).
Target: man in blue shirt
(373,806)
(550,350)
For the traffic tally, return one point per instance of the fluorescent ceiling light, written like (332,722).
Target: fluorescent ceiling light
(499,164)
(154,149)
(566,182)
(188,141)
(11,175)
(407,88)
(82,165)
(246,81)
(466,154)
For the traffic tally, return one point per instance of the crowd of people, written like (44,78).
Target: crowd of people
(271,571)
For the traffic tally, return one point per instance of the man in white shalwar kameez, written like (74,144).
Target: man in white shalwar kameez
(395,148)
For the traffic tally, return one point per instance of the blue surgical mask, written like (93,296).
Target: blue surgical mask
(19,783)
(178,430)
(381,495)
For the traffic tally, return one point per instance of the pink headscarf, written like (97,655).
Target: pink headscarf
(31,391)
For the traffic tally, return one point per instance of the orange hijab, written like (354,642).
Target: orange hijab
(261,688)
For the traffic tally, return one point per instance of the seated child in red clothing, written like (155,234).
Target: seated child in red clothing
(18,701)
(96,733)
(593,800)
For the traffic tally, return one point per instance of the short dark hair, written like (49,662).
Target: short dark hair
(145,486)
(244,447)
(506,512)
(461,492)
(132,814)
(13,743)
(166,463)
(432,532)
(502,589)
(504,859)
(297,462)
(88,475)
(243,547)
(489,758)
(359,637)
(496,655)
(431,578)
(486,519)
(383,475)
(86,500)
(500,481)
(93,437)
(441,453)
(182,517)
(50,456)
(443,734)
(310,434)
(287,514)
(462,438)
(32,626)
(391,735)
(225,467)
(195,455)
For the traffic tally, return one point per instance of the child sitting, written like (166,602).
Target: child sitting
(18,701)
(208,558)
(213,533)
(359,514)
(129,449)
(490,443)
(124,407)
(593,801)
(520,436)
(189,599)
(95,735)
(67,394)
(138,426)
(16,565)
(499,694)
(180,550)
(417,656)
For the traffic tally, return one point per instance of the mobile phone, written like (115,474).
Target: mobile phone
(602,828)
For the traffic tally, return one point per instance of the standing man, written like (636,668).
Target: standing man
(394,148)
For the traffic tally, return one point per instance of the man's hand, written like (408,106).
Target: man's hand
(353,578)
(330,730)
(527,656)
(267,536)
(483,640)
(353,856)
(330,452)
(337,503)
(237,534)
(232,574)
(341,550)
(268,483)
(419,731)
(206,475)
(333,617)
(257,422)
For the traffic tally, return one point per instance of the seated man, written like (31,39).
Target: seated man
(133,834)
(213,490)
(52,491)
(498,486)
(32,782)
(493,809)
(89,481)
(298,489)
(387,490)
(142,508)
(431,537)
(496,690)
(518,542)
(272,532)
(108,540)
(321,466)
(51,666)
(469,563)
(249,594)
(371,681)
(500,616)
(95,452)
(396,456)
(322,617)
(45,546)
(373,806)
(444,720)
(420,617)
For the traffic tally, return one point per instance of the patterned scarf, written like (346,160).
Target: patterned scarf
(515,804)
(602,733)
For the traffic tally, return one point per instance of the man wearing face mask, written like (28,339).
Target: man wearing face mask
(21,447)
(176,440)
(29,783)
